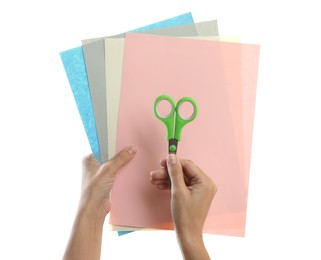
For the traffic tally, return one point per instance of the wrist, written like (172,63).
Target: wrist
(190,240)
(192,246)
(94,203)
(86,235)
(189,235)
(91,212)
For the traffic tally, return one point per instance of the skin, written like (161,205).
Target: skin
(192,192)
(191,189)
(94,205)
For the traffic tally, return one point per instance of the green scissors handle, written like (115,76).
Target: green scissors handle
(174,121)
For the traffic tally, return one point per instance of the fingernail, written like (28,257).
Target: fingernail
(132,150)
(171,159)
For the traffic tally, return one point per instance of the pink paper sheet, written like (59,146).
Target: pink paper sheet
(155,65)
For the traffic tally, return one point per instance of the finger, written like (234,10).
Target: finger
(88,159)
(164,187)
(163,163)
(175,172)
(185,164)
(119,160)
(89,165)
(158,182)
(197,176)
(159,174)
(192,170)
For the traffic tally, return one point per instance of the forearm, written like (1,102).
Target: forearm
(192,247)
(86,236)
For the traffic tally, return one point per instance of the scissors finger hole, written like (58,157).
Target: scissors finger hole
(186,110)
(164,108)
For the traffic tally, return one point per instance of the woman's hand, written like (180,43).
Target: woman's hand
(192,194)
(97,182)
(98,179)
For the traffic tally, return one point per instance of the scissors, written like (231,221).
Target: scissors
(174,121)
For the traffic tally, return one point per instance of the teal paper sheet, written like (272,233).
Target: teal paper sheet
(74,64)
(75,68)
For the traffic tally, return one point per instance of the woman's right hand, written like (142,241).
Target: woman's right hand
(192,192)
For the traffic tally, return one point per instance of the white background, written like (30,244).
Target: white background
(42,140)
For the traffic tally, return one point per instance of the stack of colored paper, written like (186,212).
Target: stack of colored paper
(115,81)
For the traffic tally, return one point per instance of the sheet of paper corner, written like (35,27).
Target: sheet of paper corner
(209,38)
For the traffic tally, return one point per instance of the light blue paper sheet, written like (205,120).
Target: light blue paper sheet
(74,64)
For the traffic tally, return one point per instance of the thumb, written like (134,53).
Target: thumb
(112,166)
(175,172)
